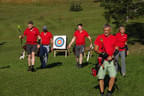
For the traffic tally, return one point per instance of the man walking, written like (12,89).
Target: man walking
(121,37)
(32,34)
(80,36)
(46,40)
(107,43)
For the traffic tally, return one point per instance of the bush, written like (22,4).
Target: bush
(76,6)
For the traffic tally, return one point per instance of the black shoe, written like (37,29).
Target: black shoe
(42,67)
(33,69)
(29,68)
(77,65)
(102,95)
(109,93)
(80,65)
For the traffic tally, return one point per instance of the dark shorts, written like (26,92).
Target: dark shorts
(31,48)
(79,50)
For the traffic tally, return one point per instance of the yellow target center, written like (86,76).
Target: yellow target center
(59,42)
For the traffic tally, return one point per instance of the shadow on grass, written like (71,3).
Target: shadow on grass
(60,54)
(85,64)
(2,43)
(5,67)
(51,65)
(135,32)
(106,83)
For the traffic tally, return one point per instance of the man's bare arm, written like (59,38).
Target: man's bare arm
(72,41)
(97,49)
(90,41)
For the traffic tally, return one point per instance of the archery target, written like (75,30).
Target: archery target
(59,42)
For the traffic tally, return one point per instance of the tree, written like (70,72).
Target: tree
(76,6)
(120,11)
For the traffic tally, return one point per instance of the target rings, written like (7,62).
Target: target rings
(59,42)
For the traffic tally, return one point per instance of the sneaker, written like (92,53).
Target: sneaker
(77,65)
(29,68)
(102,95)
(33,69)
(124,75)
(109,94)
(42,67)
(80,65)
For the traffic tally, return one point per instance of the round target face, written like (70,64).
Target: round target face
(59,42)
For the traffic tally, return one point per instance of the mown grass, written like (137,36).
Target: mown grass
(34,1)
(64,79)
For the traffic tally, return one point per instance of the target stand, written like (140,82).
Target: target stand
(60,45)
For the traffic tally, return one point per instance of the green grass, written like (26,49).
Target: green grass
(64,79)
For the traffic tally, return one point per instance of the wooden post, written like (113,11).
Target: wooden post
(54,53)
(65,51)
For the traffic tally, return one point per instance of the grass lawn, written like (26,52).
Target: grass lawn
(62,78)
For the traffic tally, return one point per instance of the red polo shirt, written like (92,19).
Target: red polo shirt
(31,35)
(121,40)
(97,42)
(107,44)
(46,37)
(80,37)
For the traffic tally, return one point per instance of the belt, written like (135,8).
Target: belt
(122,47)
(46,44)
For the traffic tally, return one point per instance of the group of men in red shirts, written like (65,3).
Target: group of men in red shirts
(108,46)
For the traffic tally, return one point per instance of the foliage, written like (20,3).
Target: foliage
(76,6)
(120,11)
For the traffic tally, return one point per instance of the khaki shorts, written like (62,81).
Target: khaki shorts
(108,67)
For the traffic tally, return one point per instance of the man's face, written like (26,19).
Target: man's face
(122,30)
(79,27)
(30,26)
(107,31)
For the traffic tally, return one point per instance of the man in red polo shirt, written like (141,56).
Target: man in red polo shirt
(46,40)
(122,44)
(80,35)
(32,34)
(105,46)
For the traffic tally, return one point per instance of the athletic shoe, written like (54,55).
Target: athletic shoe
(109,94)
(80,66)
(33,69)
(42,67)
(124,75)
(29,68)
(102,95)
(77,65)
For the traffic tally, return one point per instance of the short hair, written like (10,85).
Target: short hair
(30,22)
(121,26)
(80,24)
(107,25)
